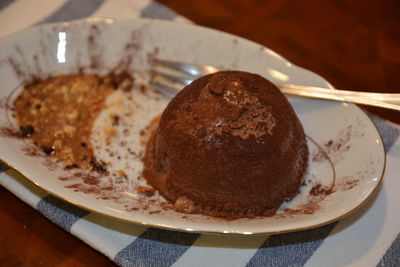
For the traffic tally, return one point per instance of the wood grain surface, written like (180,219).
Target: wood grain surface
(353,44)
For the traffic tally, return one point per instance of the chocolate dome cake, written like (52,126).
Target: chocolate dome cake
(228,145)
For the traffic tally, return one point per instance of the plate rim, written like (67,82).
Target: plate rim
(96,20)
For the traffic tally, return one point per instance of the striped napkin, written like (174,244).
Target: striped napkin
(368,237)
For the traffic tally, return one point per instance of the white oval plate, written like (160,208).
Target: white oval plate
(344,133)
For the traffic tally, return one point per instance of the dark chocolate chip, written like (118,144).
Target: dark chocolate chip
(114,84)
(72,166)
(48,150)
(27,131)
(98,167)
(115,120)
(83,144)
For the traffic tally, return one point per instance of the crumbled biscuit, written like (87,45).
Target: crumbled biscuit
(43,109)
(72,115)
(110,131)
(34,112)
(61,109)
(121,173)
(66,156)
(59,134)
(57,145)
(69,130)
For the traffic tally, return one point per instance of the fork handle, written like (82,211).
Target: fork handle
(390,101)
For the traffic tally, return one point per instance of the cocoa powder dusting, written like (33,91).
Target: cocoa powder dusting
(94,47)
(320,156)
(16,68)
(336,147)
(31,151)
(154,212)
(319,190)
(4,103)
(309,208)
(8,131)
(348,183)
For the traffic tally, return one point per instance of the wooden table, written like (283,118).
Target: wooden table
(353,44)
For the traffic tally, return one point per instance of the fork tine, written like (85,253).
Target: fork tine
(169,78)
(167,84)
(193,70)
(164,89)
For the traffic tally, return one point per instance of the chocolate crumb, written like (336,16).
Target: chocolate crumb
(147,190)
(27,131)
(121,173)
(154,212)
(318,189)
(98,167)
(47,150)
(90,180)
(115,120)
(72,166)
(142,89)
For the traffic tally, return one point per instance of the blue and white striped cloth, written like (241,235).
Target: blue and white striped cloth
(369,237)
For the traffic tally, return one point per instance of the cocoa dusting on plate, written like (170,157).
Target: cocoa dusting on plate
(154,212)
(320,190)
(333,150)
(4,103)
(348,183)
(31,151)
(9,131)
(316,194)
(17,68)
(339,145)
(320,156)
(309,208)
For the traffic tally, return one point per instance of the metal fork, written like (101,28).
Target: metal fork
(169,77)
